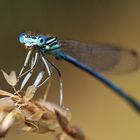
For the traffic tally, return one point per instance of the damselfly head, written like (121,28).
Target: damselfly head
(30,41)
(27,40)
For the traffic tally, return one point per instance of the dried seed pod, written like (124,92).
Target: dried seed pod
(6,104)
(11,78)
(73,131)
(29,93)
(7,123)
(38,116)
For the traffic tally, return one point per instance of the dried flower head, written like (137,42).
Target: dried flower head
(37,116)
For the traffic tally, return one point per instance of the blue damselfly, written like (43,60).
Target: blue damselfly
(92,58)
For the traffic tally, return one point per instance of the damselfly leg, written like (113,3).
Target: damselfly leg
(25,62)
(32,67)
(39,78)
(48,70)
(60,80)
(44,60)
(28,75)
(30,71)
(38,82)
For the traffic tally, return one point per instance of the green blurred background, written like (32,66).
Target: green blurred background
(101,114)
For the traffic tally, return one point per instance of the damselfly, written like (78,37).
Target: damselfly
(89,57)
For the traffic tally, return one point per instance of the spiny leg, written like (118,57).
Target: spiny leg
(25,62)
(60,80)
(38,80)
(30,71)
(48,89)
(48,79)
(48,70)
(33,65)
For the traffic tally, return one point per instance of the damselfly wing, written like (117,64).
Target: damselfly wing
(103,57)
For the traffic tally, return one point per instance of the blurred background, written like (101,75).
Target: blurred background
(95,108)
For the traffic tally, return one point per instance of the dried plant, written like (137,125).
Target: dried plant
(37,116)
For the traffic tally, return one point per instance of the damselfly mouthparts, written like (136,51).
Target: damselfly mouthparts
(89,57)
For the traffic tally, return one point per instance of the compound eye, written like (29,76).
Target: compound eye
(41,40)
(22,37)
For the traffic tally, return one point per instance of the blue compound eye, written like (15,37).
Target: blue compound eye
(41,40)
(22,37)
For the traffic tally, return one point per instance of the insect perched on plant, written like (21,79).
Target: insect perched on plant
(36,116)
(89,57)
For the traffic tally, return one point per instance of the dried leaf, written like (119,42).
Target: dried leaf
(53,107)
(2,115)
(19,116)
(6,104)
(5,93)
(7,123)
(73,131)
(26,129)
(61,136)
(11,78)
